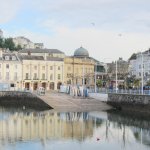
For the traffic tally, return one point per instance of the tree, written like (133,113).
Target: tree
(18,48)
(148,83)
(99,83)
(9,44)
(136,82)
(1,42)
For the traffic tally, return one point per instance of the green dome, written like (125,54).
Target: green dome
(81,52)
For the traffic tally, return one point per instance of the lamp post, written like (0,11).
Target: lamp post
(83,72)
(83,67)
(95,75)
(142,72)
(116,77)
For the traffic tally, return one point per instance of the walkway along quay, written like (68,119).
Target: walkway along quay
(63,103)
(130,102)
(25,100)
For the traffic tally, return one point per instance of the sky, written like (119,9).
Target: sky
(108,29)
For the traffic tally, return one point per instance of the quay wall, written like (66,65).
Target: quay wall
(130,102)
(24,100)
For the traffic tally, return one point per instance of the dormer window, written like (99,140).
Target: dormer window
(6,57)
(13,58)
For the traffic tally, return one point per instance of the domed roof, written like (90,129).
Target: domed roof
(81,52)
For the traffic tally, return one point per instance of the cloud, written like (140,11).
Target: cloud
(8,9)
(66,25)
(102,45)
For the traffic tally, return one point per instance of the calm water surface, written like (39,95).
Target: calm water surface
(27,130)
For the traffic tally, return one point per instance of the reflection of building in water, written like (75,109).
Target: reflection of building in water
(142,136)
(137,127)
(44,126)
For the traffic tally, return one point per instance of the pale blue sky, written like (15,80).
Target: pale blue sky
(68,24)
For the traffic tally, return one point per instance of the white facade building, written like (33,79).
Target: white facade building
(10,71)
(135,67)
(19,72)
(26,43)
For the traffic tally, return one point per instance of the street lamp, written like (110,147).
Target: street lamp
(116,77)
(95,75)
(83,72)
(142,71)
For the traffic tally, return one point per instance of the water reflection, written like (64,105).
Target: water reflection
(90,129)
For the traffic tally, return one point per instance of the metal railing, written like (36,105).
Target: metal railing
(120,91)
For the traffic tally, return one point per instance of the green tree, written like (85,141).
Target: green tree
(8,43)
(1,42)
(136,82)
(18,47)
(148,83)
(99,83)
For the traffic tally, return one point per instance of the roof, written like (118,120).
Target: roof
(37,50)
(30,57)
(54,59)
(10,56)
(81,52)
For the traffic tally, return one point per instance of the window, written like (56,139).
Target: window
(13,58)
(7,75)
(51,67)
(27,76)
(35,76)
(146,74)
(27,66)
(51,77)
(51,55)
(43,76)
(58,76)
(7,66)
(12,85)
(58,67)
(35,67)
(15,76)
(69,68)
(43,67)
(16,66)
(6,57)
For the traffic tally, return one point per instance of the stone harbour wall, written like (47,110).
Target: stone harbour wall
(140,103)
(25,100)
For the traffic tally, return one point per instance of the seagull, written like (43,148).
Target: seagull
(93,23)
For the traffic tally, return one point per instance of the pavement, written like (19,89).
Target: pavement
(65,103)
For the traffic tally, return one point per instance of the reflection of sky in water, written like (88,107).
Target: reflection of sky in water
(72,131)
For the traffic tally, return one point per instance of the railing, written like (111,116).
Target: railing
(120,91)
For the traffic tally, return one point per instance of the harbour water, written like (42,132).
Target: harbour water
(22,129)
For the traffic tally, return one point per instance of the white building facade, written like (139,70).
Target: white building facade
(135,67)
(20,72)
(10,71)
